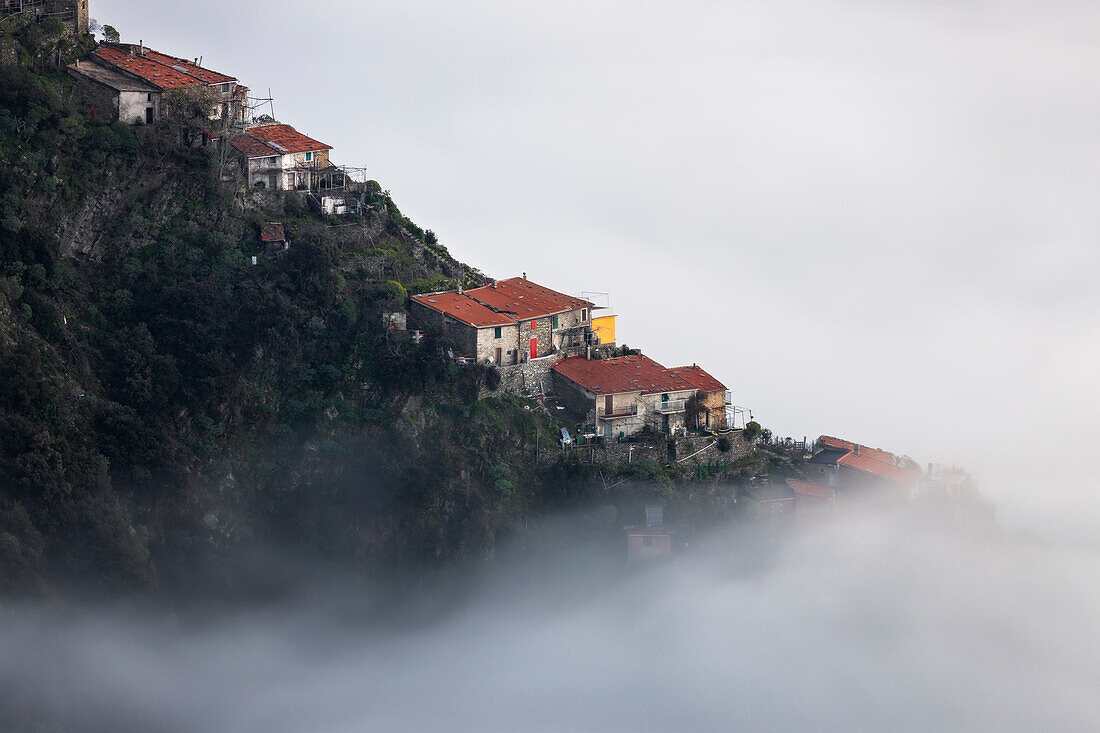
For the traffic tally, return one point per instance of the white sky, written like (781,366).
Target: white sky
(871,219)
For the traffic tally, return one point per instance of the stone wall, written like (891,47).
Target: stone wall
(488,343)
(88,95)
(579,402)
(684,453)
(524,378)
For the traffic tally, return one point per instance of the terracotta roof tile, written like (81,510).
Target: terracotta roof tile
(805,488)
(162,76)
(286,139)
(462,308)
(869,460)
(699,379)
(252,147)
(526,299)
(272,232)
(207,75)
(636,373)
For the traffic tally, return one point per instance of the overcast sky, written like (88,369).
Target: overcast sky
(872,219)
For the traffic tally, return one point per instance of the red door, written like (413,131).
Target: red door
(534,348)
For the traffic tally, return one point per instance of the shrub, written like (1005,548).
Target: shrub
(752,431)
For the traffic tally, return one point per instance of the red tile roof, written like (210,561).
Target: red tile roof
(876,453)
(286,139)
(162,76)
(464,309)
(805,488)
(699,379)
(870,460)
(526,299)
(272,232)
(882,469)
(207,75)
(509,302)
(252,147)
(636,373)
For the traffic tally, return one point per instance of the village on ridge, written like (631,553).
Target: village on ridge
(546,344)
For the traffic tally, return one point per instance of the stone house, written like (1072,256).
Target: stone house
(277,157)
(624,395)
(509,322)
(858,472)
(129,83)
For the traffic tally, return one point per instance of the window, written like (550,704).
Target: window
(584,314)
(533,325)
(664,398)
(309,157)
(496,332)
(149,97)
(555,319)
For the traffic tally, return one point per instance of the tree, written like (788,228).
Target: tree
(111,34)
(752,431)
(189,110)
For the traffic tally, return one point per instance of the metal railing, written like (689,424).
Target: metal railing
(627,411)
(671,406)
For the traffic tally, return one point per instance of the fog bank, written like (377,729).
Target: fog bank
(858,626)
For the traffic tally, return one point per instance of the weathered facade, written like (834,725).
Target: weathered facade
(109,93)
(277,157)
(507,323)
(625,395)
(138,85)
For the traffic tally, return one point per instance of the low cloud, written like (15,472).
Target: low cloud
(869,625)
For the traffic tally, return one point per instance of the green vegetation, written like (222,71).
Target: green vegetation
(163,401)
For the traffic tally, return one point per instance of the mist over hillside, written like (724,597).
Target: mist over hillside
(871,624)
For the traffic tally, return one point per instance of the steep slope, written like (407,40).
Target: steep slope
(163,401)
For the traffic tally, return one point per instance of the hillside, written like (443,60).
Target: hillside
(164,402)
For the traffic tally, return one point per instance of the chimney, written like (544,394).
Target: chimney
(141,47)
(857,449)
(525,276)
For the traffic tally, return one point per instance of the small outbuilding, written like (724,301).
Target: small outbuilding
(273,241)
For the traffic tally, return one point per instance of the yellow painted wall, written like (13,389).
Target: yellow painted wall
(604,328)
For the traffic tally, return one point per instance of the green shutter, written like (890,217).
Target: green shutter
(496,332)
(555,321)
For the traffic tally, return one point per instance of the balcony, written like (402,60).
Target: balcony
(625,411)
(665,408)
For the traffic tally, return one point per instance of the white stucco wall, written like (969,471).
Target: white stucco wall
(132,105)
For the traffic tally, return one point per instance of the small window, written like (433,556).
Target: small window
(533,325)
(584,314)
(149,97)
(496,332)
(555,321)
(664,398)
(309,157)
